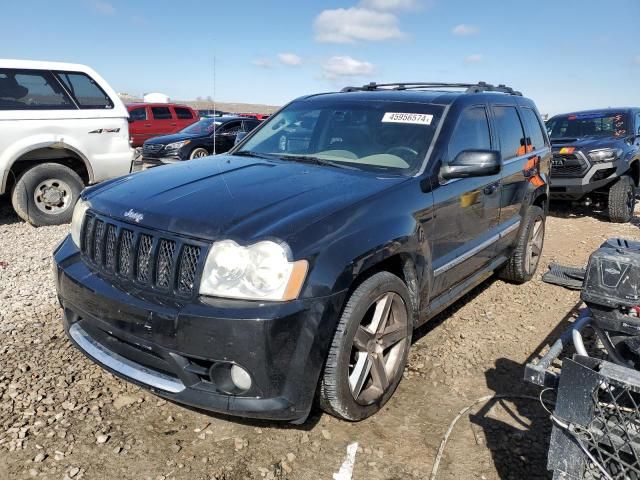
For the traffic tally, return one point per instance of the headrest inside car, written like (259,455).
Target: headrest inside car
(9,88)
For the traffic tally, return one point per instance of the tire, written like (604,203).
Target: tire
(337,395)
(622,200)
(60,184)
(198,153)
(524,261)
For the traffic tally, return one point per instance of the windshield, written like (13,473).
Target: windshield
(588,125)
(203,127)
(371,135)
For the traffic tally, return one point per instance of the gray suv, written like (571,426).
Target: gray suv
(596,159)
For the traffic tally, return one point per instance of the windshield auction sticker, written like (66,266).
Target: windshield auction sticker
(414,118)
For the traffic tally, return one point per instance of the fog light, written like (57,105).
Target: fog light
(240,378)
(230,378)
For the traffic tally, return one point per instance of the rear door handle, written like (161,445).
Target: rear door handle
(491,189)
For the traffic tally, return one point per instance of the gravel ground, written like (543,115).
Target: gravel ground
(63,417)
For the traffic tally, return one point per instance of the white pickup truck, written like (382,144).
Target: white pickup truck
(61,127)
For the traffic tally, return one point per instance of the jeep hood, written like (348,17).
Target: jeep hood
(237,197)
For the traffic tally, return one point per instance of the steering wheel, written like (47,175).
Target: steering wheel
(400,150)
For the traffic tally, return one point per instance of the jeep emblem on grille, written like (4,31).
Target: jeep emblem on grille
(133,215)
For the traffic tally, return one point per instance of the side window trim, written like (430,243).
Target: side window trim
(153,114)
(527,133)
(49,76)
(64,88)
(492,141)
(58,73)
(522,126)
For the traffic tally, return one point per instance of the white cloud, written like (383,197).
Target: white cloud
(349,25)
(464,30)
(290,59)
(345,66)
(262,63)
(475,58)
(104,8)
(391,5)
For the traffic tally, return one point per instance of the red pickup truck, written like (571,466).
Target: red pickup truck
(148,120)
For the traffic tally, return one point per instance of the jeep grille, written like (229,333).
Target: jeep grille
(128,254)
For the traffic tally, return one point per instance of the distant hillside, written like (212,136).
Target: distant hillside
(207,104)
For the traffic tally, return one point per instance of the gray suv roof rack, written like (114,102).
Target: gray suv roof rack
(469,87)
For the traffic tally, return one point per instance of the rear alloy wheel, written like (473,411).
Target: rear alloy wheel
(524,260)
(534,247)
(622,200)
(369,350)
(198,153)
(46,194)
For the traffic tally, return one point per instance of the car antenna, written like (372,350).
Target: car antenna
(215,134)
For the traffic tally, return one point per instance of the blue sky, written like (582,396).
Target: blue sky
(564,54)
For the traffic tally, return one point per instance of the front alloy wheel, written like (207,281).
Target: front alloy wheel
(378,348)
(369,349)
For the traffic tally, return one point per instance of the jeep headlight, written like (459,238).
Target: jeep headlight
(605,154)
(261,271)
(76,220)
(176,145)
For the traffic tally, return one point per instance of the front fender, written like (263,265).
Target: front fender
(337,266)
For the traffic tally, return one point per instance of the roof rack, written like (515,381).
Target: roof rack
(469,87)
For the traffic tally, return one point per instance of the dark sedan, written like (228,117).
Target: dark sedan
(206,137)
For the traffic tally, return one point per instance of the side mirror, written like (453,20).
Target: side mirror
(239,137)
(473,163)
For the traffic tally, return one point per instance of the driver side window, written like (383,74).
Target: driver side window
(470,133)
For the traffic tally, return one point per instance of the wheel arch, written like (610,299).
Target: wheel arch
(45,151)
(634,171)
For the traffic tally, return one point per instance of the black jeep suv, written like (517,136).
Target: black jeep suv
(596,159)
(300,263)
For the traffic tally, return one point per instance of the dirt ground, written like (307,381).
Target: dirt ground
(63,417)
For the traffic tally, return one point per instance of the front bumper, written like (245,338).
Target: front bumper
(594,177)
(170,346)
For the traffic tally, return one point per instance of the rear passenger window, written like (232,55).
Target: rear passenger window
(536,139)
(471,132)
(161,113)
(183,113)
(138,114)
(86,92)
(510,132)
(31,90)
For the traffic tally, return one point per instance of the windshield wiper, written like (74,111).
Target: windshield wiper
(317,161)
(249,153)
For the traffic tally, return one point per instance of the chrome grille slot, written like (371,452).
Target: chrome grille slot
(144,258)
(125,252)
(188,265)
(110,248)
(165,263)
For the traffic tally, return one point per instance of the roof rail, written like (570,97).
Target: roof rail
(469,87)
